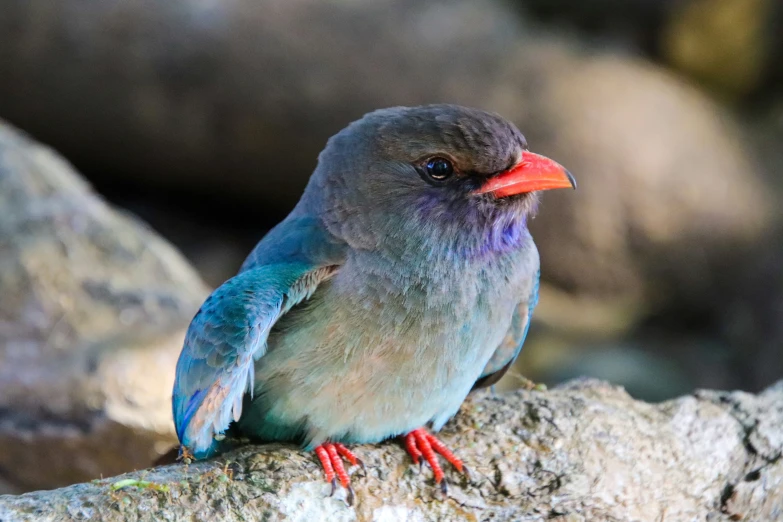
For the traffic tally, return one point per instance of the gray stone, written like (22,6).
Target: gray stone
(92,320)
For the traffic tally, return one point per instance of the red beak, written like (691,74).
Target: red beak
(533,172)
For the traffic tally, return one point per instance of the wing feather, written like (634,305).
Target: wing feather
(228,334)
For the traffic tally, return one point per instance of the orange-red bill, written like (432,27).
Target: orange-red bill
(533,172)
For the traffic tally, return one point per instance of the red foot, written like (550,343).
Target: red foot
(420,444)
(331,457)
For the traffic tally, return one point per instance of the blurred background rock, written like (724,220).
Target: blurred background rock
(92,318)
(663,272)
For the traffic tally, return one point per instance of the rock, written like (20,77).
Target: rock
(91,322)
(668,196)
(583,451)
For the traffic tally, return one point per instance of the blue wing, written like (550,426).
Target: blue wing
(509,348)
(301,238)
(229,333)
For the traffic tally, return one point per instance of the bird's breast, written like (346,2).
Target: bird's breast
(380,351)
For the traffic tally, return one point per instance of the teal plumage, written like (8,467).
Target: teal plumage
(405,277)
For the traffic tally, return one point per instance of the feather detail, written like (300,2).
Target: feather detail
(227,336)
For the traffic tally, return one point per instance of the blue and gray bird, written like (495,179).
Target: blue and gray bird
(404,278)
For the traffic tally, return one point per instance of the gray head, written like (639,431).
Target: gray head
(416,177)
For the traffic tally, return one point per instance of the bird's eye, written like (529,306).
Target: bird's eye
(439,168)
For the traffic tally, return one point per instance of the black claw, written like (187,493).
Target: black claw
(334,487)
(466,471)
(361,465)
(350,496)
(444,487)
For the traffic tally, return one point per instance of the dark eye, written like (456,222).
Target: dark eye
(439,168)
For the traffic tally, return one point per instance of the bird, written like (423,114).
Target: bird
(404,278)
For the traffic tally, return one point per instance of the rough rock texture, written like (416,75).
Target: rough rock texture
(92,319)
(585,451)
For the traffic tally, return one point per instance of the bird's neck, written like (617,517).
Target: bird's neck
(474,243)
(470,232)
(440,272)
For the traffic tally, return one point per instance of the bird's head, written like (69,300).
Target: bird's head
(436,174)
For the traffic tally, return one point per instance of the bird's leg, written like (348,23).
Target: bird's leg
(331,457)
(185,455)
(350,456)
(410,445)
(420,444)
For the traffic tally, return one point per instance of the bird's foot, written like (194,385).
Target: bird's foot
(331,456)
(185,455)
(422,447)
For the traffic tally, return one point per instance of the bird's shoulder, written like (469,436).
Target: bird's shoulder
(300,238)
